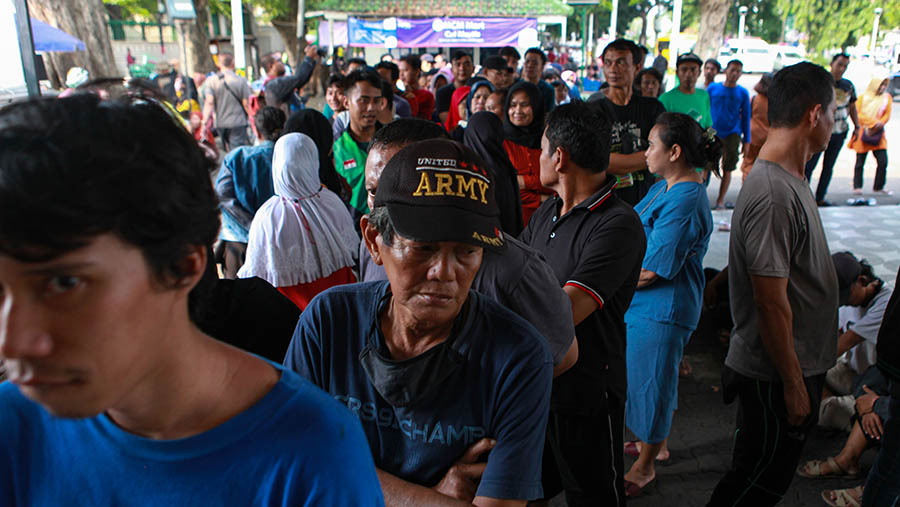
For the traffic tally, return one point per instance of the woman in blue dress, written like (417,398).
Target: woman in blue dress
(666,305)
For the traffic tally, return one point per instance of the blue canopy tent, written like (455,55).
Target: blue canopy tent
(48,39)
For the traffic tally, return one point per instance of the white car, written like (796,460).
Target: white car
(787,56)
(755,54)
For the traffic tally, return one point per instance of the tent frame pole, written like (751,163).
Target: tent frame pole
(26,48)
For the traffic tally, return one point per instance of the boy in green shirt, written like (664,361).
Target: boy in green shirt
(687,98)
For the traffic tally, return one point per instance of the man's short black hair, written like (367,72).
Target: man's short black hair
(539,52)
(365,74)
(269,122)
(625,45)
(797,89)
(392,68)
(356,61)
(413,61)
(78,168)
(459,53)
(404,131)
(559,84)
(714,62)
(550,75)
(510,51)
(584,131)
(839,55)
(335,80)
(734,62)
(387,91)
(651,71)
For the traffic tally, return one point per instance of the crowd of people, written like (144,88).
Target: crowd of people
(447,288)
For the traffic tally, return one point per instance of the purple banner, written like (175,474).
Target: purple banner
(466,32)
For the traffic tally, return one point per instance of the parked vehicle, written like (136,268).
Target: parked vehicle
(787,56)
(755,54)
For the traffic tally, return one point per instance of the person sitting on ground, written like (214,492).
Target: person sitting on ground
(244,183)
(302,239)
(453,389)
(666,305)
(114,394)
(869,413)
(516,278)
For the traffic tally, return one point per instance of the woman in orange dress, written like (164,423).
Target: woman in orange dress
(523,128)
(874,108)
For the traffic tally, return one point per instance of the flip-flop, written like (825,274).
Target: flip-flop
(842,497)
(813,470)
(632,490)
(631,449)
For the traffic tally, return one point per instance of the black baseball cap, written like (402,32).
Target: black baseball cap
(688,58)
(848,270)
(496,62)
(440,190)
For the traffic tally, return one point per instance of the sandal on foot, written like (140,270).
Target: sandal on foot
(850,497)
(632,490)
(813,470)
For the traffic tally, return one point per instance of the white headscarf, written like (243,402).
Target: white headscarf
(304,232)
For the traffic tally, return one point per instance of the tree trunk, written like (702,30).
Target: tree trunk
(642,40)
(712,27)
(197,40)
(86,20)
(286,26)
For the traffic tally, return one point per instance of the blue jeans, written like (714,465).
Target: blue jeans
(883,484)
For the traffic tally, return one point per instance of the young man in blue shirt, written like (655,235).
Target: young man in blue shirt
(115,396)
(730,104)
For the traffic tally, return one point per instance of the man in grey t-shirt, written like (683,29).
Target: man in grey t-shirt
(227,94)
(784,295)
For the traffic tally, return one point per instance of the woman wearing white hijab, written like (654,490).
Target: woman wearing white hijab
(302,238)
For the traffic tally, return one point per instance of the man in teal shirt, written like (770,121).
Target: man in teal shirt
(687,98)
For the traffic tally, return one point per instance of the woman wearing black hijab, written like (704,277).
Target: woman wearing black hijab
(316,126)
(523,127)
(484,136)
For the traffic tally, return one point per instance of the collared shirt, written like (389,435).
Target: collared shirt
(597,247)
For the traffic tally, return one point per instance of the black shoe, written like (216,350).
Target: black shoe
(824,204)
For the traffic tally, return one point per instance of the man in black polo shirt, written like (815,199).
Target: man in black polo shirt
(594,243)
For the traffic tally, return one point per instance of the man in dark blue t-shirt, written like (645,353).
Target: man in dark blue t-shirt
(452,389)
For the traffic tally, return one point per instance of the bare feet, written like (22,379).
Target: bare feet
(663,454)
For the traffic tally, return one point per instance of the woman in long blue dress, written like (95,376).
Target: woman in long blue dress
(666,306)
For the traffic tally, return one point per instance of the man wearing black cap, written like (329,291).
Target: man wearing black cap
(687,98)
(497,72)
(453,389)
(595,244)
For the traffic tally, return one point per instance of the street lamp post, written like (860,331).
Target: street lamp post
(874,38)
(743,12)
